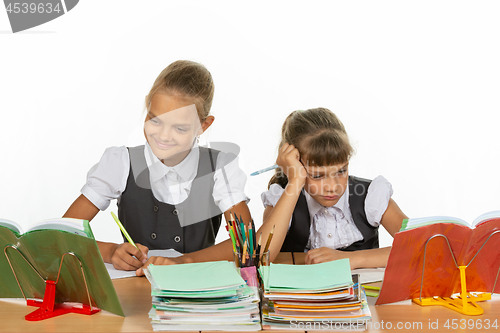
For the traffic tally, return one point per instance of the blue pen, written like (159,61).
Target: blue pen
(272,167)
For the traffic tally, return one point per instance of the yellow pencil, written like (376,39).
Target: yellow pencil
(244,255)
(371,287)
(266,248)
(122,228)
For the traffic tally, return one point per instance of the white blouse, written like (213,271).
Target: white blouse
(334,226)
(107,179)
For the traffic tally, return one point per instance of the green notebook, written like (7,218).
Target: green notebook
(43,246)
(196,277)
(325,276)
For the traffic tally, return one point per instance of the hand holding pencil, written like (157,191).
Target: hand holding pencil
(127,256)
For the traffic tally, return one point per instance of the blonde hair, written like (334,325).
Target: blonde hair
(319,136)
(187,80)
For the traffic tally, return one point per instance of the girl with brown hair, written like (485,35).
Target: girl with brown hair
(171,193)
(316,206)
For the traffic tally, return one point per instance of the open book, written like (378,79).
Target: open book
(476,245)
(423,221)
(75,226)
(36,254)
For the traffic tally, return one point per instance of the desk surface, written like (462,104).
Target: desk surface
(134,294)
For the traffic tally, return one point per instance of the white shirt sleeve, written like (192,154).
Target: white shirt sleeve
(230,180)
(377,200)
(107,179)
(271,196)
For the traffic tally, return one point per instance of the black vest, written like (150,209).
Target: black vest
(159,225)
(298,233)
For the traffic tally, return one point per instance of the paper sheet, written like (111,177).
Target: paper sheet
(369,275)
(119,274)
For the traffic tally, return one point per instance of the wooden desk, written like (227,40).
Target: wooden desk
(284,258)
(134,294)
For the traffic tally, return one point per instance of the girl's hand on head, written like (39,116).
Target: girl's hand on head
(289,162)
(159,261)
(127,257)
(324,254)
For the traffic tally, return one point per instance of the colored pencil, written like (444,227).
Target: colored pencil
(266,248)
(244,254)
(241,228)
(272,167)
(235,231)
(253,235)
(122,228)
(250,236)
(232,238)
(257,250)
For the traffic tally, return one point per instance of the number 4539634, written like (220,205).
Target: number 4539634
(27,7)
(472,324)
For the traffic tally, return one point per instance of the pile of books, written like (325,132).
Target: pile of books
(306,297)
(204,296)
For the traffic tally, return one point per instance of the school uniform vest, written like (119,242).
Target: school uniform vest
(189,226)
(298,233)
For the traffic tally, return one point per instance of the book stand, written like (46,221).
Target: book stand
(465,302)
(48,308)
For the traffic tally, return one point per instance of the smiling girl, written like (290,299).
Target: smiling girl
(314,203)
(170,192)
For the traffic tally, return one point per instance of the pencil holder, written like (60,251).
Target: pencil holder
(250,266)
(247,260)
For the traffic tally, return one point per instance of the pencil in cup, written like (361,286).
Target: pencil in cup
(247,259)
(269,238)
(246,251)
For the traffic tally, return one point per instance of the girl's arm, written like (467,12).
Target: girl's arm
(223,250)
(279,216)
(391,220)
(120,255)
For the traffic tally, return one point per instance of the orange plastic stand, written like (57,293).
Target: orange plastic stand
(48,308)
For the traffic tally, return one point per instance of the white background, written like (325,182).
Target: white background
(416,84)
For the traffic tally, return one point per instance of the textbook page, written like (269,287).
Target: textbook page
(423,221)
(119,274)
(486,217)
(76,226)
(11,225)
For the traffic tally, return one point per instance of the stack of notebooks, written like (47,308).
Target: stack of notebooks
(204,296)
(322,296)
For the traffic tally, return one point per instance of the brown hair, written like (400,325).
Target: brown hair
(188,80)
(319,136)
